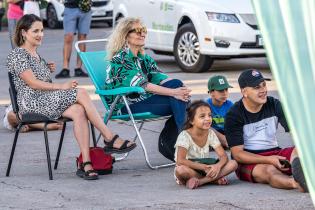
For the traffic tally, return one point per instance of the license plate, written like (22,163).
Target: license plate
(98,12)
(259,40)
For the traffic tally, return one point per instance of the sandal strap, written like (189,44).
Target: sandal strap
(88,172)
(124,145)
(86,163)
(111,142)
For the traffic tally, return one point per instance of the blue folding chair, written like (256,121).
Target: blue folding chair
(95,63)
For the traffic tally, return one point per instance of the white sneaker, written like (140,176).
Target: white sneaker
(6,123)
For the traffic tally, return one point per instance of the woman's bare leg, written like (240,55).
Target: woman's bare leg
(76,112)
(92,114)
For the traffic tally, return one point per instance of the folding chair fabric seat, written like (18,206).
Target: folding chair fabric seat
(95,63)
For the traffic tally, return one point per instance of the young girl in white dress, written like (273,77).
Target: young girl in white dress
(194,167)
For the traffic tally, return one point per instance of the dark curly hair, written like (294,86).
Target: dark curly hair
(25,23)
(191,112)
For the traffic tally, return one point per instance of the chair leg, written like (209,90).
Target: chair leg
(93,135)
(13,149)
(60,145)
(47,152)
(134,139)
(141,141)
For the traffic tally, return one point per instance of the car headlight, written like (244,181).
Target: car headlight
(222,17)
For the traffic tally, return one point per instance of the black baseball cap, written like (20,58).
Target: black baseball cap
(251,78)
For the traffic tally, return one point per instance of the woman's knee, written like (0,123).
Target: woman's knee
(77,111)
(82,94)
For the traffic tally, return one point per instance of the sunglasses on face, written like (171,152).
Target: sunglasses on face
(139,31)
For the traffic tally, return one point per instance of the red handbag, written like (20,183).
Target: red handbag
(101,162)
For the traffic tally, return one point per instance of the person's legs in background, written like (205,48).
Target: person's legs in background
(2,11)
(74,21)
(11,28)
(10,122)
(84,25)
(70,27)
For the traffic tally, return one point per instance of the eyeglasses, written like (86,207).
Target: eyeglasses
(139,31)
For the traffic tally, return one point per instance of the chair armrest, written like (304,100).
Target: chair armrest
(121,91)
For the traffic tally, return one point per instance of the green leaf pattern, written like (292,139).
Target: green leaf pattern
(127,70)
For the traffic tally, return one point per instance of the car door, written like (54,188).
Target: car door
(162,24)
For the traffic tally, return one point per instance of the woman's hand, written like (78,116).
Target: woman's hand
(52,66)
(69,85)
(182,93)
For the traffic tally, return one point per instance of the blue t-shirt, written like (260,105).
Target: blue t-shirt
(218,114)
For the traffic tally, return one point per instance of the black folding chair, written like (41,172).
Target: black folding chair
(33,118)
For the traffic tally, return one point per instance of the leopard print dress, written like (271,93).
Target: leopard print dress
(51,103)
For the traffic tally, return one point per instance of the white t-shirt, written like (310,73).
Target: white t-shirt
(193,150)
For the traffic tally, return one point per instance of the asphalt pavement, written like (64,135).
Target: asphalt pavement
(132,185)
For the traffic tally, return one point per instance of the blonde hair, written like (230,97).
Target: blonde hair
(117,40)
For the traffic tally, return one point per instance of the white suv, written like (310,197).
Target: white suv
(196,31)
(102,10)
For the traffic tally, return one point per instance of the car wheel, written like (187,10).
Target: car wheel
(187,51)
(52,18)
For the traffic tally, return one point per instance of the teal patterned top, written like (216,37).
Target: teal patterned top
(127,70)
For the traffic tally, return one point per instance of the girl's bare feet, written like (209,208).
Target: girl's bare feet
(222,181)
(192,183)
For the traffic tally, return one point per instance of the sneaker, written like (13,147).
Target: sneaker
(298,174)
(65,73)
(78,72)
(5,121)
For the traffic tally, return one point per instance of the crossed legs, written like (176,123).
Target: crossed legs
(184,173)
(81,112)
(269,174)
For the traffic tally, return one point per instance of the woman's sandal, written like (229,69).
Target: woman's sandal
(122,149)
(87,174)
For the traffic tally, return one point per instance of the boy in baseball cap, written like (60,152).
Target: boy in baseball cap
(218,89)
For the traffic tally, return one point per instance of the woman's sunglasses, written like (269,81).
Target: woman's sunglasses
(139,31)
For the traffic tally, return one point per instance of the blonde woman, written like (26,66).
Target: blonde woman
(131,66)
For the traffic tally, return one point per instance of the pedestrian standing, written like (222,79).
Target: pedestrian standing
(15,12)
(2,11)
(76,20)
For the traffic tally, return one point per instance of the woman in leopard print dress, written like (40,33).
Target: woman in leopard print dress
(36,93)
